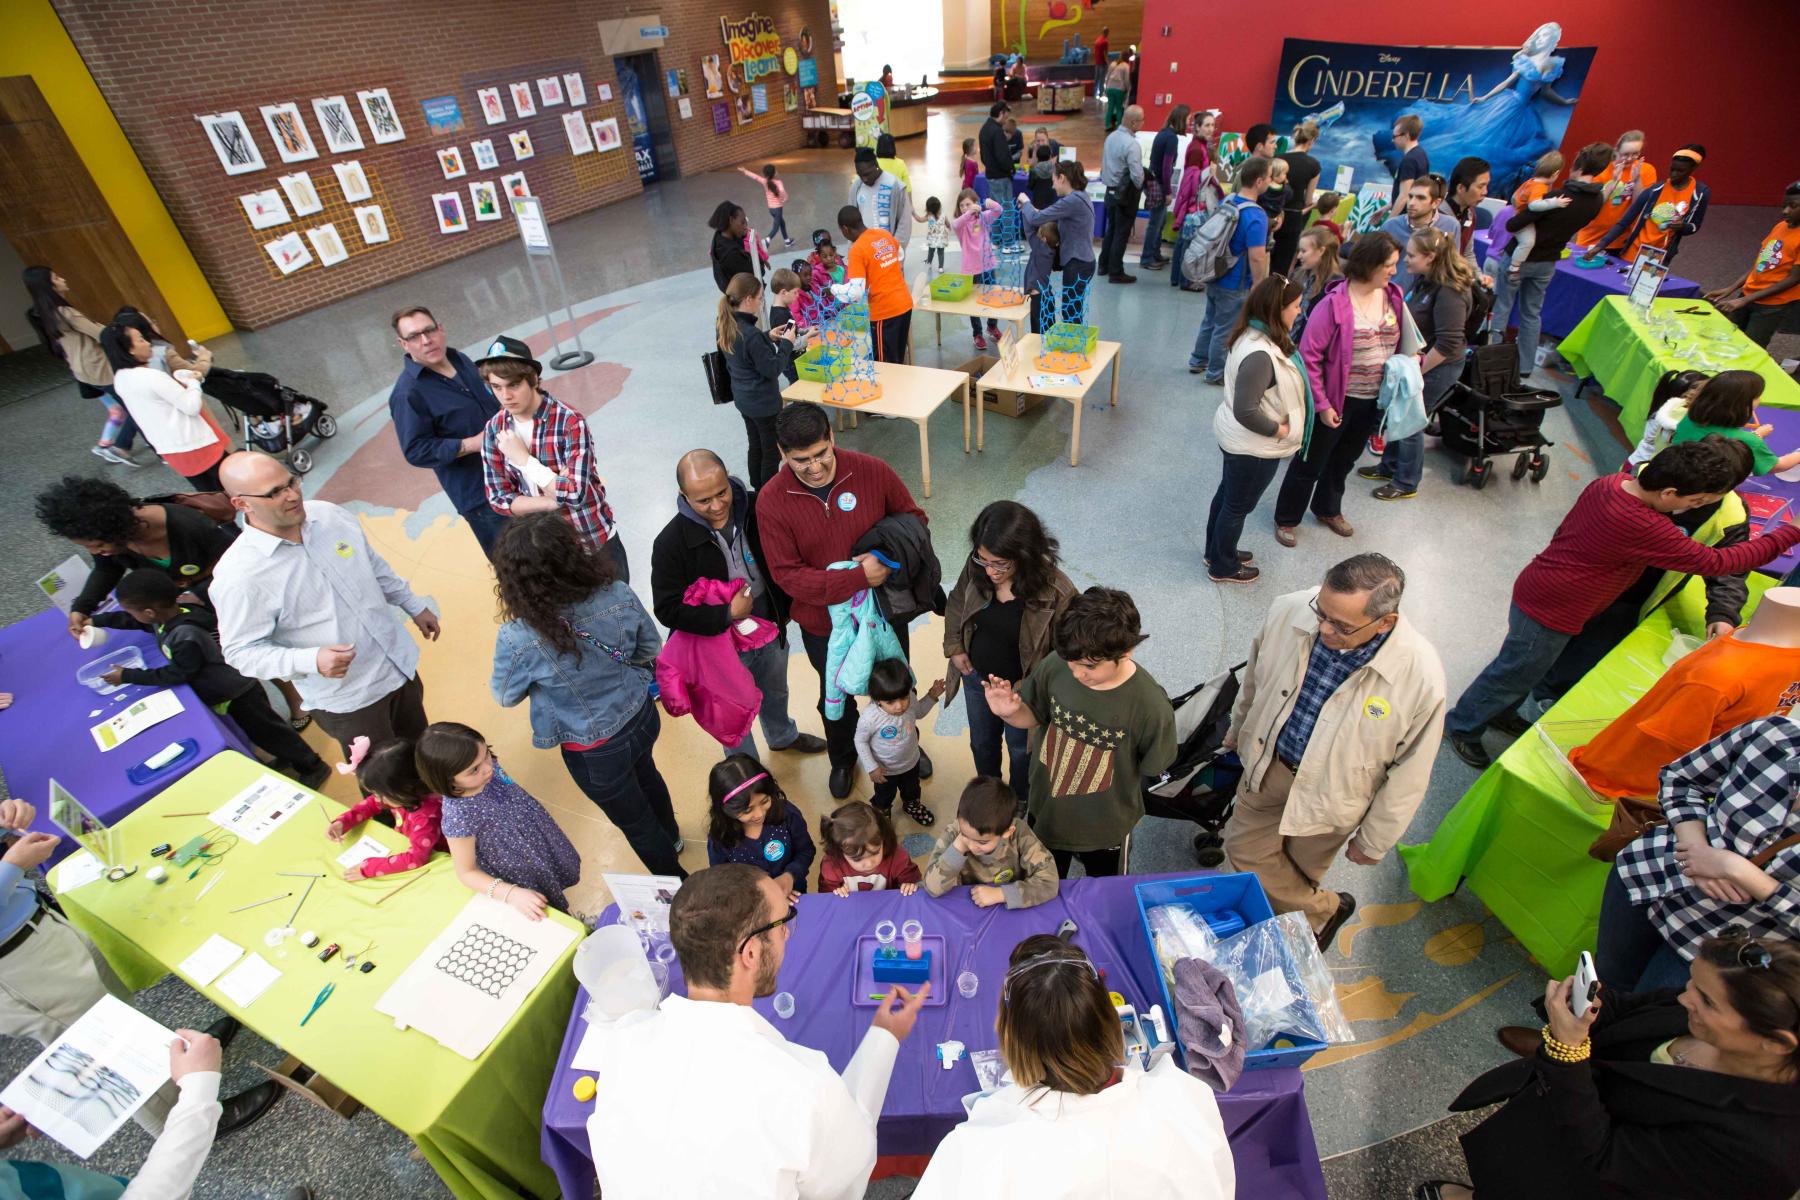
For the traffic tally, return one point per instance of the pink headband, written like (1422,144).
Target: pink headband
(726,798)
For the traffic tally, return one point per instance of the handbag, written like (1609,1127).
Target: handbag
(718,376)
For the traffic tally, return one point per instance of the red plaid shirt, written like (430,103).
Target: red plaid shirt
(561,441)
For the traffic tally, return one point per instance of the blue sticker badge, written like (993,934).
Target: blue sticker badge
(775,850)
(846,501)
(890,731)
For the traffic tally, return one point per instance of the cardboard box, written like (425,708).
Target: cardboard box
(1004,402)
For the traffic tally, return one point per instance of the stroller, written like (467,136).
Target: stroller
(276,418)
(1200,784)
(1488,412)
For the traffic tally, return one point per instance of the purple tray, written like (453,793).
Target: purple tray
(863,983)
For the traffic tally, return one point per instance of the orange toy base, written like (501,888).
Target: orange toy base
(851,392)
(1002,299)
(1063,362)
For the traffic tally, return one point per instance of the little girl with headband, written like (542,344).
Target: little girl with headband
(753,822)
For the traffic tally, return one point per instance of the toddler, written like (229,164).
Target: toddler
(1325,206)
(989,848)
(390,776)
(1726,405)
(1532,195)
(1044,245)
(973,220)
(862,854)
(1668,405)
(887,737)
(502,842)
(1274,197)
(775,193)
(753,822)
(937,234)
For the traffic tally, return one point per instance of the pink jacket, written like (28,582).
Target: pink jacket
(972,233)
(704,676)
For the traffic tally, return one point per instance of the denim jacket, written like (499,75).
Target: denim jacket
(585,698)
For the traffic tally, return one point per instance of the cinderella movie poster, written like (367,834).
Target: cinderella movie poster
(1508,105)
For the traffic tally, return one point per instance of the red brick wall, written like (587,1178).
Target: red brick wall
(159,63)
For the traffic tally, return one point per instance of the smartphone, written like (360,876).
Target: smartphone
(1586,986)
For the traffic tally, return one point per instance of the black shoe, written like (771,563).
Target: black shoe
(1244,574)
(806,743)
(1374,472)
(841,779)
(222,1031)
(1471,751)
(924,766)
(1510,723)
(1193,370)
(1389,491)
(918,812)
(1245,556)
(249,1106)
(314,777)
(306,1193)
(1346,906)
(1161,264)
(1121,277)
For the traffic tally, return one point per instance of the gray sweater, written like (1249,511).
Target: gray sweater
(888,741)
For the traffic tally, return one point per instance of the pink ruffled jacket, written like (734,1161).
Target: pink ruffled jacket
(703,676)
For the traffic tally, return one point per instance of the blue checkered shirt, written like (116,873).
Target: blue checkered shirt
(1326,670)
(1743,785)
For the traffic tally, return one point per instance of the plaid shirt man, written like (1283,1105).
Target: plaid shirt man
(1742,785)
(1326,670)
(562,445)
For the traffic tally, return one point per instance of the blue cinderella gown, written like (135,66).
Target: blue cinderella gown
(1507,130)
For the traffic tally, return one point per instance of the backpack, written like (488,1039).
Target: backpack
(1481,304)
(1209,255)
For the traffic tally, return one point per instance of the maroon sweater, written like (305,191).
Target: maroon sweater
(802,535)
(1605,543)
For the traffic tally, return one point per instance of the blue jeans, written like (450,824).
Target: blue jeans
(975,322)
(1153,231)
(620,776)
(986,732)
(1525,657)
(778,224)
(1629,950)
(1222,308)
(768,667)
(1241,486)
(120,430)
(486,525)
(1534,281)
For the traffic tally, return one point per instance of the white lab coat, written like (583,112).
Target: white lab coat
(1155,1136)
(703,1100)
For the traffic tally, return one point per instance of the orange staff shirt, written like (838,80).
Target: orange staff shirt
(876,256)
(1644,176)
(1777,256)
(1650,233)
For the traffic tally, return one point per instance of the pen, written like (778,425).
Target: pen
(260,903)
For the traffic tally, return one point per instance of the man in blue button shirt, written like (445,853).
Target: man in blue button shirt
(440,405)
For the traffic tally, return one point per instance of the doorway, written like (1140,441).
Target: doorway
(647,115)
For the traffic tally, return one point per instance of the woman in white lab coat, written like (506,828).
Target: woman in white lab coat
(1074,1123)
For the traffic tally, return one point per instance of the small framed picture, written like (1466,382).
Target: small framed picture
(450,159)
(483,154)
(574,90)
(606,134)
(523,104)
(337,124)
(383,118)
(327,245)
(521,144)
(373,223)
(581,141)
(352,180)
(231,141)
(265,209)
(302,196)
(492,106)
(292,140)
(550,91)
(484,200)
(289,252)
(449,209)
(514,184)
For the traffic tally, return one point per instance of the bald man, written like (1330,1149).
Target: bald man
(301,595)
(1122,171)
(713,536)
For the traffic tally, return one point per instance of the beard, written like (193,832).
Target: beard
(765,976)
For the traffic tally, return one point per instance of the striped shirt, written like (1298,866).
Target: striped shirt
(1742,785)
(1326,670)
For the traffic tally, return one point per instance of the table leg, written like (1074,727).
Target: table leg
(981,420)
(925,457)
(940,327)
(966,391)
(1075,434)
(1117,355)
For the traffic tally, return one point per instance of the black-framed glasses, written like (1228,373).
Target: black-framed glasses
(417,334)
(293,484)
(792,912)
(1342,629)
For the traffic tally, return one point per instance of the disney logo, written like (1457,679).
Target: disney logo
(1388,58)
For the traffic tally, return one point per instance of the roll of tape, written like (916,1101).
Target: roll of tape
(309,939)
(157,874)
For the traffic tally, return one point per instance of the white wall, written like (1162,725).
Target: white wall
(967,36)
(908,36)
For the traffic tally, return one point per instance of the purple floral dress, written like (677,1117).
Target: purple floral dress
(516,839)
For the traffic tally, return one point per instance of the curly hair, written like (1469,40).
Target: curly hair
(541,567)
(88,510)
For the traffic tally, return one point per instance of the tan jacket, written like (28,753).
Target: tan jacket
(971,595)
(80,341)
(1369,760)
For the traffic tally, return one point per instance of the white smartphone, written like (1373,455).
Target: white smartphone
(1586,986)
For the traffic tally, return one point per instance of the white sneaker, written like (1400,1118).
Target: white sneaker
(112,455)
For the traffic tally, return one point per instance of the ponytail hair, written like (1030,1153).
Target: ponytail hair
(742,287)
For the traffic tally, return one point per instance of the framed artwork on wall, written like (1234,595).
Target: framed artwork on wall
(580,140)
(574,90)
(289,133)
(373,223)
(288,252)
(265,209)
(483,154)
(231,141)
(514,184)
(378,111)
(449,209)
(606,134)
(327,244)
(521,144)
(523,104)
(302,196)
(337,124)
(492,106)
(351,178)
(550,91)
(450,159)
(484,199)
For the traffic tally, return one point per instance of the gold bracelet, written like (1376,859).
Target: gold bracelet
(1563,1052)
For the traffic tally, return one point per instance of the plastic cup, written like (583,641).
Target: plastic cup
(884,937)
(91,637)
(968,983)
(784,1005)
(913,933)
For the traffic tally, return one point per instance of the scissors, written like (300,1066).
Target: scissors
(321,998)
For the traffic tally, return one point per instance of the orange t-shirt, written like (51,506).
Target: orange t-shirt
(876,257)
(1614,208)
(1531,190)
(1716,688)
(1777,256)
(1652,234)
(197,462)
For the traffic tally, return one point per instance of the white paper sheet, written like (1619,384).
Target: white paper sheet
(89,1081)
(132,720)
(254,812)
(78,870)
(365,848)
(210,960)
(643,897)
(248,980)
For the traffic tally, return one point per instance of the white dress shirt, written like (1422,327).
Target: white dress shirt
(280,601)
(706,1099)
(175,1160)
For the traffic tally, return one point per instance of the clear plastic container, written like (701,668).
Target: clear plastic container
(88,675)
(884,937)
(913,934)
(610,964)
(784,1005)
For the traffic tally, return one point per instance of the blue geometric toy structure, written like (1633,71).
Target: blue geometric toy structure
(1068,342)
(845,359)
(1011,254)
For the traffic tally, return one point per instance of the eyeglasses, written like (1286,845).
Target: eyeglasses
(292,484)
(997,566)
(417,334)
(1752,955)
(792,912)
(1047,960)
(1341,628)
(823,456)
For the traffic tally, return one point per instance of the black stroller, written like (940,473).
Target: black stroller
(276,418)
(1488,412)
(1200,784)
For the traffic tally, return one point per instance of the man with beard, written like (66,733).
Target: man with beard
(705,1098)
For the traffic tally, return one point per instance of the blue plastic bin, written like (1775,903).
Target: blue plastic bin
(1239,893)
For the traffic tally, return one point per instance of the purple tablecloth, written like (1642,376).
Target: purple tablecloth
(1574,290)
(1265,1114)
(1785,439)
(45,732)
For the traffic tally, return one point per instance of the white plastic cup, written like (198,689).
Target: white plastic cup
(784,1005)
(913,934)
(92,637)
(968,983)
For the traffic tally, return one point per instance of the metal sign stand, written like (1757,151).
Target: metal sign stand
(534,233)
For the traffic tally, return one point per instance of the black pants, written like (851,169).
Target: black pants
(840,735)
(904,782)
(269,730)
(486,525)
(207,480)
(620,777)
(1318,475)
(615,550)
(890,337)
(1761,322)
(1121,215)
(1097,863)
(1287,241)
(764,457)
(400,713)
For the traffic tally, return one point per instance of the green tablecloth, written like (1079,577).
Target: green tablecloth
(1614,346)
(477,1123)
(1520,836)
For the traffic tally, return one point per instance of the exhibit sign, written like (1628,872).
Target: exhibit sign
(753,43)
(1505,104)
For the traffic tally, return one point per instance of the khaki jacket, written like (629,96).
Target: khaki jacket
(80,340)
(1369,760)
(971,595)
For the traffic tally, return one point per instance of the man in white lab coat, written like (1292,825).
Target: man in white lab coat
(705,1098)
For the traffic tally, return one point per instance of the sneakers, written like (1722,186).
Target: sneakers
(1388,491)
(1161,264)
(1244,574)
(1196,368)
(787,241)
(1512,724)
(113,455)
(1377,444)
(1471,751)
(1376,472)
(980,342)
(918,812)
(1287,535)
(994,332)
